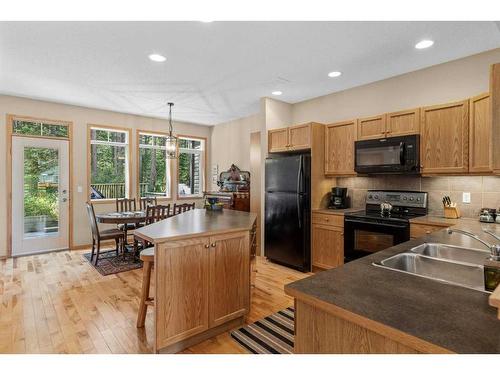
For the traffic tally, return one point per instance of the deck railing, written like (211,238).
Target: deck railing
(111,191)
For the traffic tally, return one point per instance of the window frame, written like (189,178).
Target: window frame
(203,165)
(138,132)
(128,161)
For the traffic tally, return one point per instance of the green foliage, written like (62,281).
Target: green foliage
(42,204)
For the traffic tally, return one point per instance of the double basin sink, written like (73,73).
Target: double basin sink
(441,262)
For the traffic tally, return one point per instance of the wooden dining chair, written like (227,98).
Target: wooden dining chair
(180,208)
(102,235)
(144,202)
(153,214)
(123,205)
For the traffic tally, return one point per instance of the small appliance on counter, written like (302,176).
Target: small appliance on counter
(213,204)
(488,215)
(339,198)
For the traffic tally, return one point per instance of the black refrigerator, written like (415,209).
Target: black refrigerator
(288,211)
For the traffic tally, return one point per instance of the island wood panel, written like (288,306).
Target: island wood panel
(480,146)
(495,114)
(278,140)
(181,290)
(403,122)
(328,219)
(494,299)
(339,148)
(372,127)
(299,137)
(318,332)
(444,138)
(229,277)
(327,246)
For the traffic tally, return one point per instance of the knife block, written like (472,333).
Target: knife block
(451,212)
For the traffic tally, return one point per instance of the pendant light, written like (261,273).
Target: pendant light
(171,139)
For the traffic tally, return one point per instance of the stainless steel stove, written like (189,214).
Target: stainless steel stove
(374,229)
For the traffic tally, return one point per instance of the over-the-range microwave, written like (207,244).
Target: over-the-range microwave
(393,155)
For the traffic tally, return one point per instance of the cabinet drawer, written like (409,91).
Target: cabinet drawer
(327,219)
(419,230)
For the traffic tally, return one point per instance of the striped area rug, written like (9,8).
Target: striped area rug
(271,335)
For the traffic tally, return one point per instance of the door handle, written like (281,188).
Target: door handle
(65,199)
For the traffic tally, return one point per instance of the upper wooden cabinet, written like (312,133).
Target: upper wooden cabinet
(293,138)
(372,127)
(403,122)
(444,138)
(495,115)
(277,140)
(339,148)
(480,145)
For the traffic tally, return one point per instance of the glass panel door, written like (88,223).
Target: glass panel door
(40,184)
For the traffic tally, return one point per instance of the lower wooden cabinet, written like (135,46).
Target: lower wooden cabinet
(229,286)
(213,271)
(327,243)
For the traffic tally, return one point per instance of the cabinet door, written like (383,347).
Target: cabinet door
(181,289)
(229,277)
(495,115)
(277,140)
(403,122)
(445,138)
(339,148)
(480,134)
(327,246)
(299,137)
(371,127)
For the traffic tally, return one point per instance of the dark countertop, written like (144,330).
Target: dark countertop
(449,316)
(332,211)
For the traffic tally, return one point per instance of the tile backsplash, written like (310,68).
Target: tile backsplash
(484,190)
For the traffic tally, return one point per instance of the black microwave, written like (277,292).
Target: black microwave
(393,155)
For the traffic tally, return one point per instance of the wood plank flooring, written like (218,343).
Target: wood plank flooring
(58,303)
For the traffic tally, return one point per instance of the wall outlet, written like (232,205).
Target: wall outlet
(466,197)
(79,189)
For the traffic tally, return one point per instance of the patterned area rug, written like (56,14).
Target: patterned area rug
(110,263)
(272,335)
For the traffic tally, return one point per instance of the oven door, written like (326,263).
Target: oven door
(364,236)
(387,155)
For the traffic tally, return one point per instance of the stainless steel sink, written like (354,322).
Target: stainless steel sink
(452,253)
(462,274)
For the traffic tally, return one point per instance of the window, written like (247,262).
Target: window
(37,128)
(154,167)
(109,164)
(191,167)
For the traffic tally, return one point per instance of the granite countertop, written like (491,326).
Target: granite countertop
(331,211)
(195,223)
(449,316)
(442,221)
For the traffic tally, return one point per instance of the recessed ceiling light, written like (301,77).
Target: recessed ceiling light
(334,74)
(207,21)
(157,58)
(424,44)
(277,93)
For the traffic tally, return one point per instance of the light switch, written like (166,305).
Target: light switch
(79,189)
(466,197)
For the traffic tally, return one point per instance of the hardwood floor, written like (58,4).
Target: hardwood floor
(58,303)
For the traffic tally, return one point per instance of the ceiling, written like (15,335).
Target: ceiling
(217,71)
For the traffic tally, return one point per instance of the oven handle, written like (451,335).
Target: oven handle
(350,221)
(401,153)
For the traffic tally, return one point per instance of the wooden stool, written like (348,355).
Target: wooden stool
(148,258)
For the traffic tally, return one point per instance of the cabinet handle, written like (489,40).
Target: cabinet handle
(341,233)
(207,246)
(213,244)
(427,232)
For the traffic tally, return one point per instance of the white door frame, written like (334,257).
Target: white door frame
(24,245)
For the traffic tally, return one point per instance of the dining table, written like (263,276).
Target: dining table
(123,217)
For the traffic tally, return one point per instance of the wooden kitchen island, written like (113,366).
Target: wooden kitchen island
(201,275)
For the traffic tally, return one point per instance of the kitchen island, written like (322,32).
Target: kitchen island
(201,275)
(361,308)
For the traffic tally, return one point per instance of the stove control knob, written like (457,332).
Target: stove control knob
(418,199)
(405,198)
(370,196)
(411,198)
(376,196)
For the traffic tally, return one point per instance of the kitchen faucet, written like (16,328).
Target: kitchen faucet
(494,249)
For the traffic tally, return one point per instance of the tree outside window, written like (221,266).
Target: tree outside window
(191,167)
(108,163)
(154,167)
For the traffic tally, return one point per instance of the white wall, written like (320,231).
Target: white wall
(80,117)
(451,81)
